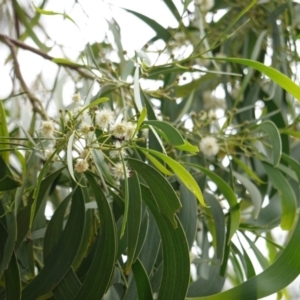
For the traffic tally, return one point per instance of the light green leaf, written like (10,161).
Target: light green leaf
(274,136)
(253,191)
(64,61)
(136,90)
(186,178)
(3,133)
(53,13)
(157,164)
(70,156)
(281,79)
(287,196)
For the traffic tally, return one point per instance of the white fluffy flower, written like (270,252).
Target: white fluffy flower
(119,130)
(210,101)
(85,128)
(209,146)
(76,97)
(79,112)
(130,131)
(118,152)
(84,153)
(104,117)
(205,5)
(47,129)
(81,166)
(48,152)
(118,171)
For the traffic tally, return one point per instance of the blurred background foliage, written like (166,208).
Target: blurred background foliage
(205,202)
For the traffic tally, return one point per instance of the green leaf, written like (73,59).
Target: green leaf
(273,134)
(161,32)
(176,261)
(248,170)
(135,220)
(142,281)
(188,147)
(157,164)
(102,266)
(281,79)
(253,191)
(12,280)
(53,13)
(55,227)
(164,195)
(228,194)
(171,134)
(64,61)
(68,287)
(275,278)
(62,255)
(3,133)
(136,90)
(70,156)
(182,174)
(8,183)
(287,196)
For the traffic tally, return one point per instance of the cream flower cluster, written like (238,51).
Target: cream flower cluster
(84,123)
(209,146)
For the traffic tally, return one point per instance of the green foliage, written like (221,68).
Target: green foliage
(174,171)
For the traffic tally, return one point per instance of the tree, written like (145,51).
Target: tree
(167,170)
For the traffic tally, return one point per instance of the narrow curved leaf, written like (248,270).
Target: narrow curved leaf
(281,79)
(58,265)
(171,134)
(287,196)
(176,261)
(228,194)
(164,195)
(274,136)
(142,281)
(253,191)
(102,266)
(12,280)
(182,174)
(273,279)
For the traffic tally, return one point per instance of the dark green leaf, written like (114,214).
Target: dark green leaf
(102,267)
(176,261)
(165,197)
(62,255)
(134,220)
(142,281)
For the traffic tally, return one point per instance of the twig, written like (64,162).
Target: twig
(36,103)
(9,41)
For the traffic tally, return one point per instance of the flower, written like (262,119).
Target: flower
(119,130)
(79,112)
(118,171)
(130,131)
(104,117)
(84,153)
(205,5)
(209,146)
(48,152)
(85,128)
(76,98)
(81,166)
(118,152)
(47,129)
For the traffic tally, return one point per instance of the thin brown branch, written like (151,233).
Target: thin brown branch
(78,69)
(35,102)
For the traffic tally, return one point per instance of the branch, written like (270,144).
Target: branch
(36,103)
(9,41)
